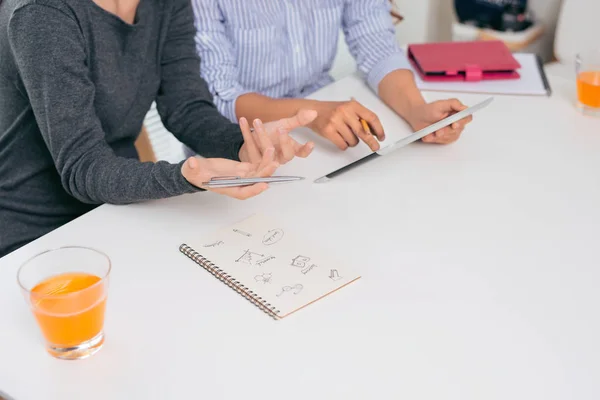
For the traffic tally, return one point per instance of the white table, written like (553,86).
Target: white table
(480,268)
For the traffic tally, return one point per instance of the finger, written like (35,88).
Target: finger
(429,138)
(268,158)
(447,135)
(466,120)
(303,151)
(251,191)
(251,148)
(244,169)
(344,131)
(358,129)
(371,119)
(332,134)
(243,193)
(444,133)
(268,170)
(451,105)
(302,117)
(286,144)
(263,138)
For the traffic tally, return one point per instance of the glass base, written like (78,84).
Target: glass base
(587,110)
(79,352)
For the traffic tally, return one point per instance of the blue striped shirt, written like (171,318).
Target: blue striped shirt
(286,48)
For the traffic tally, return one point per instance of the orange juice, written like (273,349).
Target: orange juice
(69,307)
(588,88)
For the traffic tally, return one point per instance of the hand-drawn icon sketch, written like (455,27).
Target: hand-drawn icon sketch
(242,232)
(307,269)
(297,288)
(300,261)
(334,275)
(264,260)
(215,244)
(263,278)
(273,236)
(250,257)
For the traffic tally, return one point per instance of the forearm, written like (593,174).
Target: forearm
(98,176)
(400,92)
(184,101)
(197,123)
(254,105)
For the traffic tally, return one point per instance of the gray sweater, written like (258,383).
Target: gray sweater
(75,85)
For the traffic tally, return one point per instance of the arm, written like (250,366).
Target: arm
(52,62)
(184,101)
(255,105)
(218,68)
(401,81)
(371,38)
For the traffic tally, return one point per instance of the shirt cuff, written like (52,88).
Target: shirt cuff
(226,99)
(394,61)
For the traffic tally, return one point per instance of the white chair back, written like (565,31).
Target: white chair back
(578,29)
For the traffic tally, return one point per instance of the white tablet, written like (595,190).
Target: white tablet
(409,139)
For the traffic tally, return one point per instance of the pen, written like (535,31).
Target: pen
(233,181)
(365,126)
(364,123)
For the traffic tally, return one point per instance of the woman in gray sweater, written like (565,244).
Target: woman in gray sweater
(76,80)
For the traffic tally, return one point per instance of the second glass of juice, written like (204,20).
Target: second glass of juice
(66,289)
(587,66)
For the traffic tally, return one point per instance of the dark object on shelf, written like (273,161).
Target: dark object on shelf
(499,15)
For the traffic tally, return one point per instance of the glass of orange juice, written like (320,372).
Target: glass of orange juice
(66,289)
(587,65)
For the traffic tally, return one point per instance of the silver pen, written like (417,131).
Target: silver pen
(233,181)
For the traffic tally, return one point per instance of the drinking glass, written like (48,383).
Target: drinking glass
(66,289)
(587,66)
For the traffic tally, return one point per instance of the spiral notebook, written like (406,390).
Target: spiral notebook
(267,264)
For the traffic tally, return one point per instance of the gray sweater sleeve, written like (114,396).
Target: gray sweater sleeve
(184,101)
(49,51)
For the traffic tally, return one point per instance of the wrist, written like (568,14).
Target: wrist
(185,172)
(413,116)
(312,105)
(399,91)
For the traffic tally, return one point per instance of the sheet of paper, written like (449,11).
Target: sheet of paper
(530,82)
(269,260)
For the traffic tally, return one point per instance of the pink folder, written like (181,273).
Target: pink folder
(463,61)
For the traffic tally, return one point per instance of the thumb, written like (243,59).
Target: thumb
(190,169)
(453,105)
(303,117)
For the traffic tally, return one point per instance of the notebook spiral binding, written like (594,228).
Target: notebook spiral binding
(229,281)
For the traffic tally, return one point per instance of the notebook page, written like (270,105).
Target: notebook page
(266,257)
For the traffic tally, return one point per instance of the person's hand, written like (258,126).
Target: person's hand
(427,114)
(339,122)
(199,170)
(275,135)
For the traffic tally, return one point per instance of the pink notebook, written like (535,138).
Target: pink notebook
(463,61)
